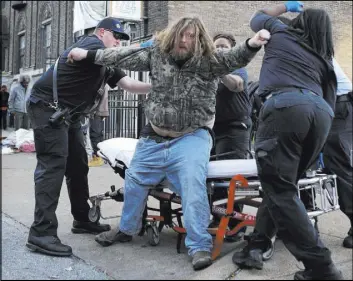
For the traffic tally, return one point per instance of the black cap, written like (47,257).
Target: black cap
(115,25)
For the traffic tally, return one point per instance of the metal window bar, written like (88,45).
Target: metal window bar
(126,116)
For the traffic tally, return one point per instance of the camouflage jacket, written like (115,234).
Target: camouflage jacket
(181,99)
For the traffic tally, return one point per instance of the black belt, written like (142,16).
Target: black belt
(159,139)
(343,98)
(286,90)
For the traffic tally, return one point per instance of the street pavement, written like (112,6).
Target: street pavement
(135,260)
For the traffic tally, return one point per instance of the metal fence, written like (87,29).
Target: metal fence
(126,116)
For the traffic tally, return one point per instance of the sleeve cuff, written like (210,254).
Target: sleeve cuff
(91,55)
(253,49)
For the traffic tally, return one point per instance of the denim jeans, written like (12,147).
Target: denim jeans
(183,162)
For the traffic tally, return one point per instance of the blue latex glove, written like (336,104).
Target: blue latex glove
(146,44)
(294,6)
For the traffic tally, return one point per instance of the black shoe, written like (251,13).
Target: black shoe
(49,245)
(249,258)
(347,242)
(89,227)
(328,273)
(201,259)
(110,237)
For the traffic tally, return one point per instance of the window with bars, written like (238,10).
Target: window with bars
(46,45)
(22,47)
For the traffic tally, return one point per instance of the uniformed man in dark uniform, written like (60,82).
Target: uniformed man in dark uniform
(298,84)
(60,145)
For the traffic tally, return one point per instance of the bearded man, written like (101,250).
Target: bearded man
(175,145)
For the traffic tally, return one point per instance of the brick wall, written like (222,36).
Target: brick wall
(233,16)
(157,12)
(61,15)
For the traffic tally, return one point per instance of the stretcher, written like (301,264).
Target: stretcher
(239,177)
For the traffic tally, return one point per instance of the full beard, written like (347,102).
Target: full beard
(181,55)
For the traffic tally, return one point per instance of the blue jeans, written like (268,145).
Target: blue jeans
(183,162)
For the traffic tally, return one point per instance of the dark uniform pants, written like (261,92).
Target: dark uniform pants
(236,140)
(96,132)
(338,155)
(60,151)
(293,127)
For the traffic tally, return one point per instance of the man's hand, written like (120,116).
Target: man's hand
(233,82)
(261,38)
(294,6)
(148,43)
(76,54)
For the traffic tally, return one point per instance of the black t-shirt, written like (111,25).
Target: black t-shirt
(77,82)
(232,106)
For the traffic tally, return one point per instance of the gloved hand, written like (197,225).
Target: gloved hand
(294,6)
(146,44)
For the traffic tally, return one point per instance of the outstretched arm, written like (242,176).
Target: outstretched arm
(266,18)
(134,86)
(130,58)
(238,56)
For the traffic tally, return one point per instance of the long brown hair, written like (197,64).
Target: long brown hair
(315,29)
(203,42)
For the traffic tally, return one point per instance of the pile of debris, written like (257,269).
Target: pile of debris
(18,141)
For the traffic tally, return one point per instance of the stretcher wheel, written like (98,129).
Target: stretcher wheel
(269,253)
(153,235)
(94,214)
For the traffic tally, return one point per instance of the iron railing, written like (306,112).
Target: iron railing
(126,116)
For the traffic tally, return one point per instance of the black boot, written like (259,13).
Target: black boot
(251,255)
(249,258)
(89,227)
(49,245)
(347,242)
(323,273)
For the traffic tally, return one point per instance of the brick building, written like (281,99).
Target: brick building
(34,33)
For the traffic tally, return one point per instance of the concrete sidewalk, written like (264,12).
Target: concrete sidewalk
(136,260)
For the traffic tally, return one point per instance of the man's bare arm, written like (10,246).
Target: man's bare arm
(233,82)
(134,86)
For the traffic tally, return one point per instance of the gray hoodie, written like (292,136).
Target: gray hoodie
(17,100)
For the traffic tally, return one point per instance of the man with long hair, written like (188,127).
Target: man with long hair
(298,86)
(175,145)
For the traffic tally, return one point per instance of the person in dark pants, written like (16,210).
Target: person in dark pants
(4,98)
(298,84)
(233,123)
(96,127)
(60,147)
(337,152)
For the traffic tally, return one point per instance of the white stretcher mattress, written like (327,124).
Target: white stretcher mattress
(122,149)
